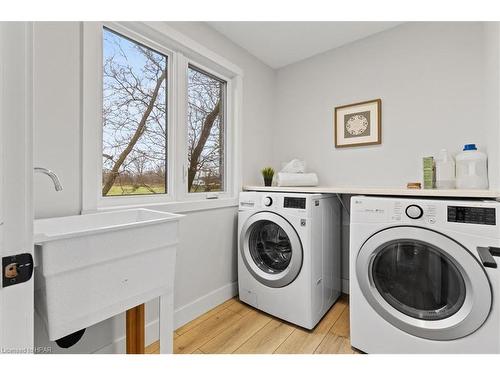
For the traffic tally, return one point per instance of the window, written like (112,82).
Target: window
(206,133)
(134,114)
(160,120)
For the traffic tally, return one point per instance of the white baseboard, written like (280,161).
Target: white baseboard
(345,286)
(182,316)
(192,310)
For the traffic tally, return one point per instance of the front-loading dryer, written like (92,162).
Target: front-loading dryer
(289,254)
(423,278)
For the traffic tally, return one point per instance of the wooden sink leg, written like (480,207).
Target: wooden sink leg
(135,330)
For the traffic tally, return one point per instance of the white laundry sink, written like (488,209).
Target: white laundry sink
(91,267)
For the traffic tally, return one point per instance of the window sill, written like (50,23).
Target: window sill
(176,207)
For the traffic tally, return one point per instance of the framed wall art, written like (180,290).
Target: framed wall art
(358,124)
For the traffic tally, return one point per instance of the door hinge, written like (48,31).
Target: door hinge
(16,269)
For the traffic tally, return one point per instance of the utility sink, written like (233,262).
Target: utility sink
(91,267)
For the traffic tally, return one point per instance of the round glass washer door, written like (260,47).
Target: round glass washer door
(271,249)
(423,283)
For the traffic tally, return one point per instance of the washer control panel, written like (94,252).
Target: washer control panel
(480,218)
(472,215)
(423,212)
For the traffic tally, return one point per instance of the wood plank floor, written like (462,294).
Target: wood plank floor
(234,327)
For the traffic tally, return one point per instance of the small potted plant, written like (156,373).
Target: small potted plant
(268,174)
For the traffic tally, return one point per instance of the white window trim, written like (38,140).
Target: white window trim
(180,51)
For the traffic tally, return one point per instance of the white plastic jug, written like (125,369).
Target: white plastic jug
(445,171)
(472,171)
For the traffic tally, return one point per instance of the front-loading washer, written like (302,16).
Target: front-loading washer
(423,276)
(289,254)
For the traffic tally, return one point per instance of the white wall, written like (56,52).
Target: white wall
(492,97)
(432,80)
(57,113)
(206,262)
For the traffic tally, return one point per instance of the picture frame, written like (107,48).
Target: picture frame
(358,124)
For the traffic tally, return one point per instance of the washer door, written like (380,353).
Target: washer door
(271,249)
(423,283)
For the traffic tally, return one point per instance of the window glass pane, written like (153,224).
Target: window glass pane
(418,280)
(205,131)
(134,118)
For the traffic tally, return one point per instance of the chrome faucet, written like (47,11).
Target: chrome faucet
(52,175)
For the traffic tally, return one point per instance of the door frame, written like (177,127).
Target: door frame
(478,298)
(16,171)
(274,280)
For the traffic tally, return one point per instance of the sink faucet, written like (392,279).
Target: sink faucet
(52,175)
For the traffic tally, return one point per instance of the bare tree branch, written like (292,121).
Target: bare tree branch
(111,177)
(197,150)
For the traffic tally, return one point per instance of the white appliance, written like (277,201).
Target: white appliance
(423,278)
(289,254)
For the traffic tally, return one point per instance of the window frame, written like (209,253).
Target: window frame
(184,194)
(169,120)
(180,51)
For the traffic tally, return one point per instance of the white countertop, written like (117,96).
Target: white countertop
(453,193)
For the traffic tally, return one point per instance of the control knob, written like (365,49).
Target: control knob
(414,212)
(268,201)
